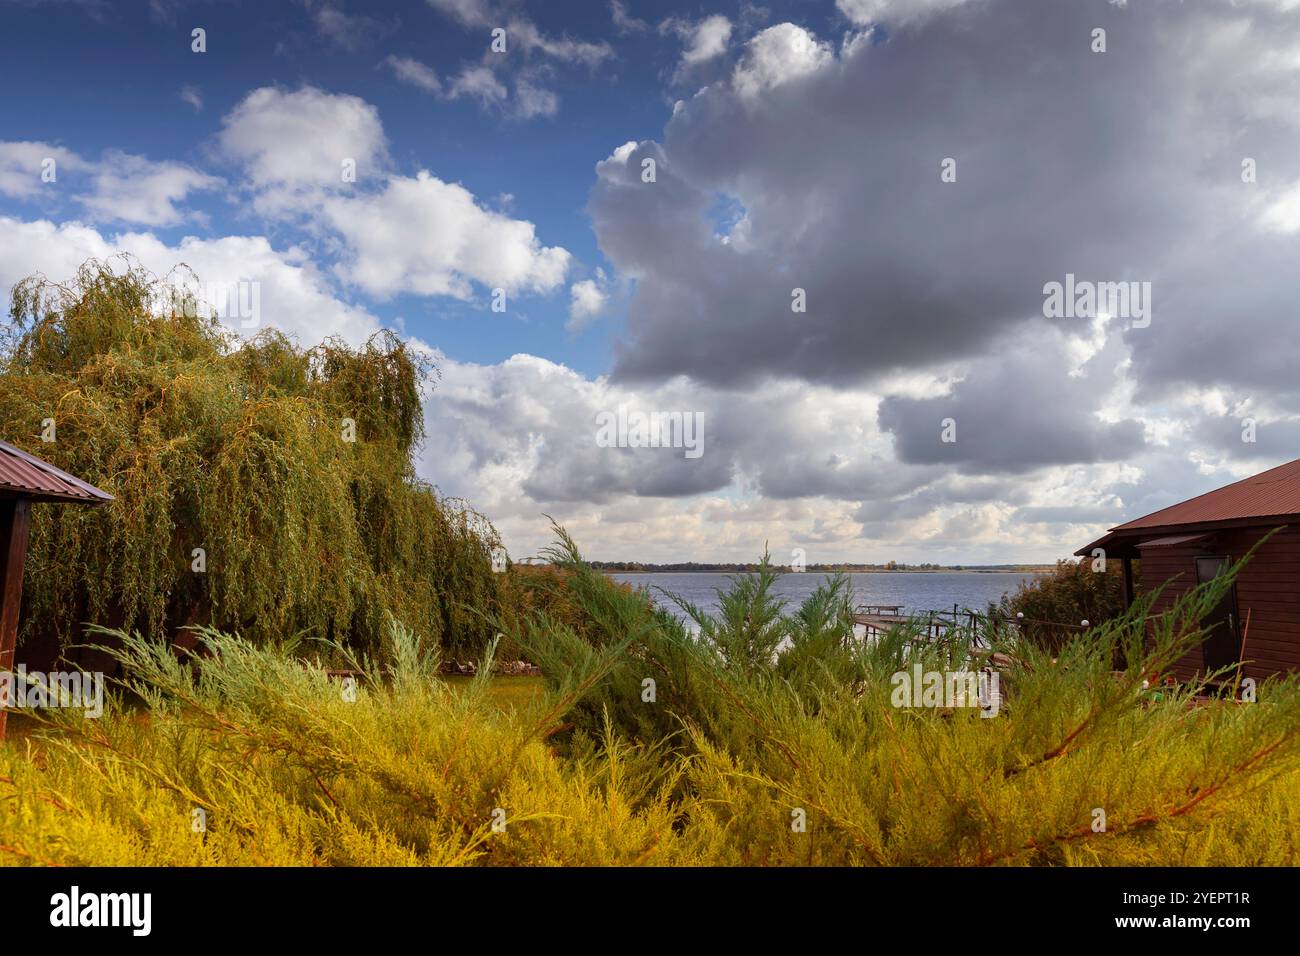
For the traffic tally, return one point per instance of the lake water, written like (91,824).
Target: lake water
(914,590)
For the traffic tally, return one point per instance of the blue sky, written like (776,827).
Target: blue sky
(122,67)
(802,153)
(149,61)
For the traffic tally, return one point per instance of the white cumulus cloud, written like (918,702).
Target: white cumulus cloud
(586,301)
(778,55)
(134,189)
(294,144)
(293,295)
(703,40)
(431,237)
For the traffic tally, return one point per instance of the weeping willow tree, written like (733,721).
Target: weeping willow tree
(260,486)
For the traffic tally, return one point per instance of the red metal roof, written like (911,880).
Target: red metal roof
(1270,494)
(26,476)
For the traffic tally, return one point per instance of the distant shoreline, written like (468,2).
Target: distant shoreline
(833,570)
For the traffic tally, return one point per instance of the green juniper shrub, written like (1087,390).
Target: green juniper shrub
(768,737)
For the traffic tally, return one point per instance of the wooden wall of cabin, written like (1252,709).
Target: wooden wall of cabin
(1268,595)
(15,524)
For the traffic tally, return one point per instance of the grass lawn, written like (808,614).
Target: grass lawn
(506,691)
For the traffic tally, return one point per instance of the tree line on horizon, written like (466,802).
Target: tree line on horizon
(751,567)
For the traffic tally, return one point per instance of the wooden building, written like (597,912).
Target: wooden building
(24,481)
(1188,543)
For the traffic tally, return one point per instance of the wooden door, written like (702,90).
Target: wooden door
(1222,647)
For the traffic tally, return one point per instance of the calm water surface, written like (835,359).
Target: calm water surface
(915,590)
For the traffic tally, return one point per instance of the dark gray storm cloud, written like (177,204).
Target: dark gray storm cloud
(1123,165)
(814,163)
(1018,409)
(1249,436)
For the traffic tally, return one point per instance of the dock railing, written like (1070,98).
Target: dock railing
(982,627)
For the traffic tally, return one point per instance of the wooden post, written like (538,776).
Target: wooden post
(15,523)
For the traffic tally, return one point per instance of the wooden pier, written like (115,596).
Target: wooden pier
(879,618)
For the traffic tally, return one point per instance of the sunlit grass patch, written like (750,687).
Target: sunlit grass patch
(505,690)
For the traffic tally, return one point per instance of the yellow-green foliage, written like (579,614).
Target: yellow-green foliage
(288,771)
(782,712)
(761,719)
(237,448)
